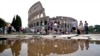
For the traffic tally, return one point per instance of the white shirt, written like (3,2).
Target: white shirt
(74,24)
(81,27)
(55,25)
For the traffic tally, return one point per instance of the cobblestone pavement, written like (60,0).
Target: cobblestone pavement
(70,36)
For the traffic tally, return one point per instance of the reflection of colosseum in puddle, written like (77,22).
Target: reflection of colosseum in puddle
(45,47)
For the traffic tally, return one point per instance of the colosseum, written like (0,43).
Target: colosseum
(38,20)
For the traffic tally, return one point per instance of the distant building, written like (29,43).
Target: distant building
(38,20)
(8,24)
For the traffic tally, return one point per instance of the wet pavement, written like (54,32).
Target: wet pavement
(55,46)
(72,36)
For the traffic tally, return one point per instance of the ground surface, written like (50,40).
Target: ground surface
(69,36)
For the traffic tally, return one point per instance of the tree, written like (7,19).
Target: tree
(91,29)
(2,23)
(16,22)
(97,28)
(13,22)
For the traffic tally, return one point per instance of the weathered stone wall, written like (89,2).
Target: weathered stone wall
(35,12)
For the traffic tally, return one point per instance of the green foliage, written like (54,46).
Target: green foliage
(17,23)
(13,22)
(2,23)
(97,28)
(91,29)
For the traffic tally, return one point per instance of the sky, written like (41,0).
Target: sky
(88,10)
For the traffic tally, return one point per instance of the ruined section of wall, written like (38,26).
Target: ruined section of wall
(35,12)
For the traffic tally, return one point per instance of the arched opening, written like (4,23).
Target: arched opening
(41,15)
(41,23)
(37,23)
(45,22)
(34,24)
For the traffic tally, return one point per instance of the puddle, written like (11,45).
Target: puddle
(48,47)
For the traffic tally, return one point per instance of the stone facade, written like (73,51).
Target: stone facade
(35,12)
(63,23)
(38,20)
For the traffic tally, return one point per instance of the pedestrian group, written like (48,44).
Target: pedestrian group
(80,29)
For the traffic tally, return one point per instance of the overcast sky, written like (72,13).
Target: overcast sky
(79,9)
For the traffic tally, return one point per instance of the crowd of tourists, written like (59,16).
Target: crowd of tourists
(60,28)
(54,28)
(10,30)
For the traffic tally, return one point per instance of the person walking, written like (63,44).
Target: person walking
(74,26)
(5,30)
(81,27)
(86,27)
